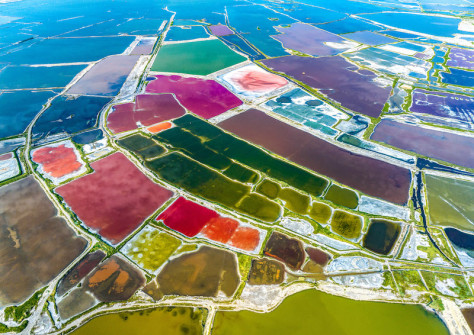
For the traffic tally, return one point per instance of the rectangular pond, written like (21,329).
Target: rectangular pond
(371,176)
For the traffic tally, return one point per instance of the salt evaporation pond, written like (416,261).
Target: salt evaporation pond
(371,176)
(336,78)
(23,77)
(199,58)
(442,26)
(312,311)
(310,40)
(461,58)
(369,38)
(427,142)
(68,50)
(13,121)
(95,201)
(106,77)
(147,109)
(448,105)
(195,94)
(163,321)
(68,115)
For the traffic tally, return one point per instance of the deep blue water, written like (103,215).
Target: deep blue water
(69,116)
(17,109)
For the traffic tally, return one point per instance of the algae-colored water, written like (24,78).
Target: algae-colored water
(315,312)
(450,202)
(163,321)
(201,58)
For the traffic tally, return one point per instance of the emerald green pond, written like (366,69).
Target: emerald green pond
(201,58)
(315,312)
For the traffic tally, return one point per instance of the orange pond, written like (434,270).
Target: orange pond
(57,161)
(159,127)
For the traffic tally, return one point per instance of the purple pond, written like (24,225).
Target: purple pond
(369,38)
(309,40)
(205,98)
(106,77)
(220,30)
(461,58)
(453,106)
(144,47)
(338,79)
(449,147)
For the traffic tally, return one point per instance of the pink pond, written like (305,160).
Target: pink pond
(58,161)
(254,79)
(203,97)
(115,199)
(147,109)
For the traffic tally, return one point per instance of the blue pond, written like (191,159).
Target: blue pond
(237,43)
(88,136)
(17,110)
(69,116)
(460,239)
(21,77)
(458,77)
(65,50)
(348,25)
(186,33)
(421,23)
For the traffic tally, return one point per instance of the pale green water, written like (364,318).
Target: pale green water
(315,312)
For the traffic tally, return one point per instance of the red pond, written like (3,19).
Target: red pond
(205,98)
(148,109)
(190,219)
(102,199)
(57,161)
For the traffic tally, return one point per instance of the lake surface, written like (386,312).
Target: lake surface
(315,312)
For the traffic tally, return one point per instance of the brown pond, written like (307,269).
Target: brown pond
(286,249)
(200,273)
(35,244)
(265,271)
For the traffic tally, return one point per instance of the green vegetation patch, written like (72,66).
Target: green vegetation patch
(295,201)
(269,189)
(201,58)
(447,284)
(345,224)
(342,196)
(23,311)
(320,212)
(408,280)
